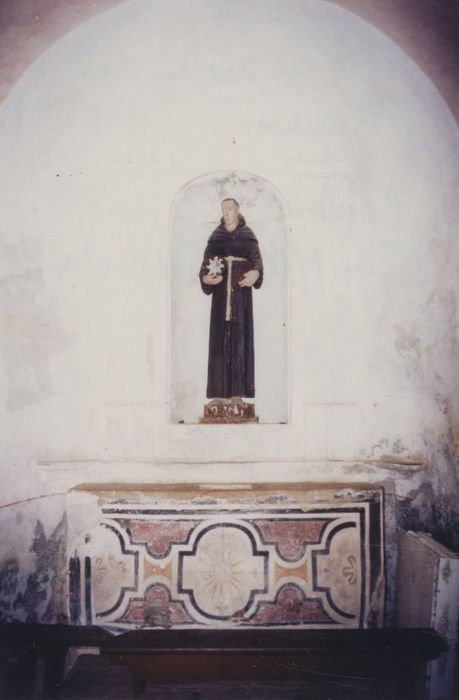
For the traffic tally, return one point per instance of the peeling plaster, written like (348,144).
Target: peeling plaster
(394,453)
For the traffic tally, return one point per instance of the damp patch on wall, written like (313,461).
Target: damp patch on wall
(37,595)
(33,332)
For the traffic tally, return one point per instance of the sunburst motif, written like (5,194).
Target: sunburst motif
(223,575)
(224,571)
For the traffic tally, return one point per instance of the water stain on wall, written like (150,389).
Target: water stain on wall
(414,512)
(33,331)
(407,341)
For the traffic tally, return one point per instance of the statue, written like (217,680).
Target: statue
(231,266)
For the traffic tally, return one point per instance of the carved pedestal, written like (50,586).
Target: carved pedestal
(229,411)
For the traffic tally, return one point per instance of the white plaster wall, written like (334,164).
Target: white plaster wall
(95,142)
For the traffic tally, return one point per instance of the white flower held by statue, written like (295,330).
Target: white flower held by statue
(215,266)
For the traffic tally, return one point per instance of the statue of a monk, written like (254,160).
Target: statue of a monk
(231,266)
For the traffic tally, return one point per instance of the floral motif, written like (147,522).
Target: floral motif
(215,266)
(349,571)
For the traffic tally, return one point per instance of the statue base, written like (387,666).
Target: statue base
(233,410)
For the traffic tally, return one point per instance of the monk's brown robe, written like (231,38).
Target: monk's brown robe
(231,367)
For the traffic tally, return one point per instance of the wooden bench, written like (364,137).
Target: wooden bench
(370,659)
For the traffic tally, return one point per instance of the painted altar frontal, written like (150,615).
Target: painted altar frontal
(249,556)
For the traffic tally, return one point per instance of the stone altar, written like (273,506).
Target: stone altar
(246,556)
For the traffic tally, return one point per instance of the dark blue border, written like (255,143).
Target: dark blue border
(124,589)
(87,590)
(215,510)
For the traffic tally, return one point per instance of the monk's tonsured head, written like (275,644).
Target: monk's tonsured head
(230,211)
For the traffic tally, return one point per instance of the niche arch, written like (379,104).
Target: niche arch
(195,214)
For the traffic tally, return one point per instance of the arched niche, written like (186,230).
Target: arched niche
(196,212)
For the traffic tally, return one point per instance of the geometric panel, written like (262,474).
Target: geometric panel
(223,570)
(269,556)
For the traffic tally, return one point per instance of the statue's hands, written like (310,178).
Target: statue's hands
(212,279)
(249,278)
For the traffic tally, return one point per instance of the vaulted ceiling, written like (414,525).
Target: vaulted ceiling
(427,30)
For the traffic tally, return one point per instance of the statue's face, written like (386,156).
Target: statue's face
(230,213)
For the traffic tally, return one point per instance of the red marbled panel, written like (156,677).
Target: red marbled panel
(159,535)
(291,536)
(156,609)
(290,607)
